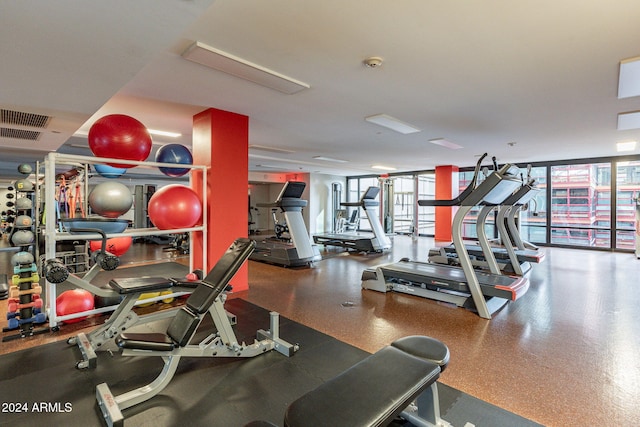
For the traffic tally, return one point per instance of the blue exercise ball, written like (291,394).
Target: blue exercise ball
(174,153)
(109,171)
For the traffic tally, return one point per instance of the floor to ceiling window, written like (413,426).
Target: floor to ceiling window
(469,229)
(533,216)
(404,202)
(628,192)
(581,204)
(574,205)
(426,214)
(355,189)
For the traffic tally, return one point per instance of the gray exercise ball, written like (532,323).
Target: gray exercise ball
(110,199)
(24,203)
(25,168)
(22,237)
(22,257)
(24,185)
(23,221)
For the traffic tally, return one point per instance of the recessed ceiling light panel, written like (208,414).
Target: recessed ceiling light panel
(164,133)
(392,123)
(270,149)
(628,121)
(629,81)
(626,146)
(383,168)
(445,143)
(330,159)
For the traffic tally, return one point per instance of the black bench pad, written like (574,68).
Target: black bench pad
(426,348)
(371,393)
(140,284)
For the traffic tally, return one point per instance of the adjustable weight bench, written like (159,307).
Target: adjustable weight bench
(126,291)
(397,381)
(123,318)
(178,341)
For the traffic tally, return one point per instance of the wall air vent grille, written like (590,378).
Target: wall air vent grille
(28,135)
(19,118)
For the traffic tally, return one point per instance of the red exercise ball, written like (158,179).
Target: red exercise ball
(74,301)
(175,206)
(117,246)
(118,136)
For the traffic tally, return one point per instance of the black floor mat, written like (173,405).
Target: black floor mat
(40,386)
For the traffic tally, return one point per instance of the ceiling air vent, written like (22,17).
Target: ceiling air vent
(29,135)
(19,118)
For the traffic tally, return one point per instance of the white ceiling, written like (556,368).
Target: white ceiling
(482,74)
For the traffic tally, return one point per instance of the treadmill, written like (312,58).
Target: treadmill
(464,286)
(297,250)
(506,259)
(360,242)
(512,229)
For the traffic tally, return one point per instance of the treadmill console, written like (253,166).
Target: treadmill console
(291,190)
(370,194)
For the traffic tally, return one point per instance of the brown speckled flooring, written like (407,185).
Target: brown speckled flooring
(566,354)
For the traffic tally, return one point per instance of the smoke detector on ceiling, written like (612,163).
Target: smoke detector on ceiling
(373,62)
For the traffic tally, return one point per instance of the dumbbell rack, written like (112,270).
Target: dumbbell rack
(24,307)
(53,235)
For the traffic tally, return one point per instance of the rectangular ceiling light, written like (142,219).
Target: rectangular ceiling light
(231,64)
(627,121)
(383,168)
(626,146)
(164,133)
(270,149)
(392,123)
(629,80)
(270,167)
(444,143)
(330,159)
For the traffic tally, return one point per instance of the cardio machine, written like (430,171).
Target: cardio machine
(507,256)
(297,250)
(464,286)
(360,242)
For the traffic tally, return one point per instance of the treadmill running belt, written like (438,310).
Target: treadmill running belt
(453,278)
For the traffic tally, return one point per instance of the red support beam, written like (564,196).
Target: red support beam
(221,141)
(446,188)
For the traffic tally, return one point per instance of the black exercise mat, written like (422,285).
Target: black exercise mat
(40,386)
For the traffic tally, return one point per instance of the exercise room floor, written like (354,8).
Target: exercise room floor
(565,354)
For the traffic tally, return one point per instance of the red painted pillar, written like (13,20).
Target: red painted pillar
(446,188)
(221,141)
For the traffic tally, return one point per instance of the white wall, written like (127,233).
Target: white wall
(320,209)
(318,215)
(261,193)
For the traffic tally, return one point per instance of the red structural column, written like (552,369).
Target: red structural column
(221,141)
(446,188)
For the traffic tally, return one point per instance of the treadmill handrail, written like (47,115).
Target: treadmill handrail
(366,200)
(523,194)
(457,201)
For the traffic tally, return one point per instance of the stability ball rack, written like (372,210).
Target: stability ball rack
(53,235)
